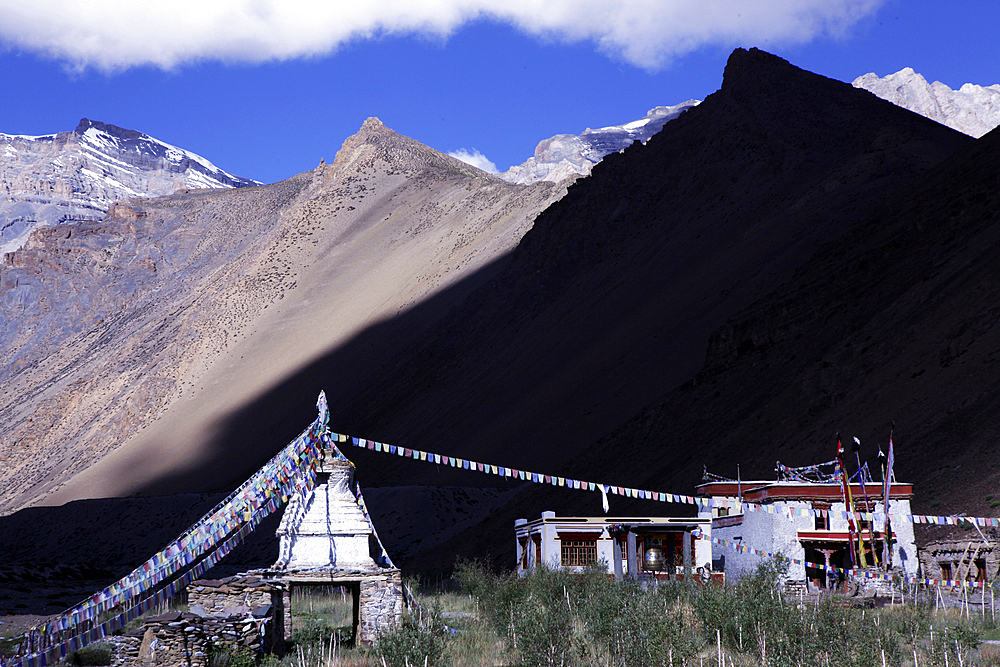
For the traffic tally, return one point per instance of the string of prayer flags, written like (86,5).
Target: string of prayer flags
(658,496)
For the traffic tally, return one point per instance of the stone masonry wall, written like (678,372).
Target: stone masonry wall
(217,595)
(381,605)
(183,639)
(962,557)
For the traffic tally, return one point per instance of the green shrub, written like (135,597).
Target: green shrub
(911,622)
(499,596)
(553,617)
(636,627)
(954,642)
(95,654)
(228,654)
(416,641)
(311,631)
(751,614)
(752,617)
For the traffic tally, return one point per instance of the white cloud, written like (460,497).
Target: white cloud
(476,159)
(116,34)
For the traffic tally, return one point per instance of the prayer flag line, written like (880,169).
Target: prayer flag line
(643,494)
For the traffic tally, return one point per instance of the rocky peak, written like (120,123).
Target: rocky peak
(72,176)
(757,79)
(374,143)
(569,155)
(113,130)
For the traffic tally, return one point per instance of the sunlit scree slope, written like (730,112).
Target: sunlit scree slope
(147,328)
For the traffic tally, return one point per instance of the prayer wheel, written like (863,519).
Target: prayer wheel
(653,559)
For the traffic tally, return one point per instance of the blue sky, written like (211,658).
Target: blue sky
(481,75)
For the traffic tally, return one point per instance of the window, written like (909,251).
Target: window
(579,552)
(821,521)
(863,523)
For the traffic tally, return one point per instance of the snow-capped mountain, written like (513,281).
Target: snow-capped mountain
(566,155)
(77,175)
(972,109)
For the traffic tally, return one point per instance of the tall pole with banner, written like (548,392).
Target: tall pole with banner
(886,487)
(849,506)
(868,506)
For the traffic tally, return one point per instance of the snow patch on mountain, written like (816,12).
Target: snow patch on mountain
(972,109)
(55,178)
(568,155)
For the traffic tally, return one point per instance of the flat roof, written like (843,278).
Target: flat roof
(637,521)
(757,491)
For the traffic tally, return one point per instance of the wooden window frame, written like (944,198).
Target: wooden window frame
(577,550)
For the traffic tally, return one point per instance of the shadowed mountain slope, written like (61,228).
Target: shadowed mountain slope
(608,306)
(897,319)
(609,301)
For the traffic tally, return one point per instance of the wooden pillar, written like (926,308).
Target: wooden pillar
(618,557)
(633,561)
(686,550)
(670,546)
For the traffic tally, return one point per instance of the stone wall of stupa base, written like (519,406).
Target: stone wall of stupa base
(241,595)
(251,614)
(381,606)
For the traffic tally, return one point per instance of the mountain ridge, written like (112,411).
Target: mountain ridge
(50,179)
(687,303)
(710,215)
(972,109)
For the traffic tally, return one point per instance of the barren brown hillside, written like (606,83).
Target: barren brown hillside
(139,334)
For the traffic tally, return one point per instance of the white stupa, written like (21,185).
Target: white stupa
(326,528)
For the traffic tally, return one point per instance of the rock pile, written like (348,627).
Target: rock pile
(126,648)
(182,638)
(238,594)
(240,613)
